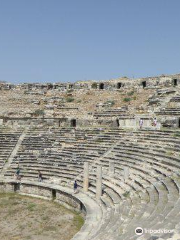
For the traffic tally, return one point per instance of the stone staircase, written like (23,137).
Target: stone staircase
(8,140)
(111,113)
(148,198)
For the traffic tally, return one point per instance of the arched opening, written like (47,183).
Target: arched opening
(73,122)
(81,206)
(70,86)
(50,86)
(117,122)
(101,86)
(144,84)
(119,85)
(179,123)
(175,82)
(53,194)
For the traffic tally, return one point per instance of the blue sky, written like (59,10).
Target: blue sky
(59,41)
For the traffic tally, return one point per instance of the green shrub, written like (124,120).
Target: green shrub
(98,140)
(39,112)
(70,91)
(78,221)
(169,153)
(31,206)
(110,102)
(94,86)
(177,134)
(127,99)
(126,194)
(130,93)
(69,99)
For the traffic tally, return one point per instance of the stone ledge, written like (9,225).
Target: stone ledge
(63,195)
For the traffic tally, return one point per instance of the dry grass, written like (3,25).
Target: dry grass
(24,218)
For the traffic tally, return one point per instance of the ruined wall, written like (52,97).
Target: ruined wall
(134,123)
(44,191)
(114,84)
(15,122)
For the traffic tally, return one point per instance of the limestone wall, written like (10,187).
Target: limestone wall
(14,122)
(43,191)
(134,123)
(113,84)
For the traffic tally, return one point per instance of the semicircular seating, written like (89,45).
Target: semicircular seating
(149,197)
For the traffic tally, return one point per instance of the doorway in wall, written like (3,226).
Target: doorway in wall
(50,86)
(117,122)
(101,86)
(81,206)
(119,85)
(144,84)
(53,194)
(175,82)
(73,122)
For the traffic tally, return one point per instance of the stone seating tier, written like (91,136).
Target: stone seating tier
(149,196)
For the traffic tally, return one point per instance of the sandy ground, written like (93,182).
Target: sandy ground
(24,218)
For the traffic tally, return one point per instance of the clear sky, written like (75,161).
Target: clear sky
(70,40)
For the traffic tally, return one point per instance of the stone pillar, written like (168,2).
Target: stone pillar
(86,177)
(99,183)
(1,121)
(126,173)
(111,169)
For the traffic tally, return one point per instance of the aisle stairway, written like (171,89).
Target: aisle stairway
(8,140)
(148,198)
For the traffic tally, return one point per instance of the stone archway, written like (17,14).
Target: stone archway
(101,86)
(144,84)
(73,123)
(119,85)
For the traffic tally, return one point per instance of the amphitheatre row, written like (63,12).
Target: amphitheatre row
(119,139)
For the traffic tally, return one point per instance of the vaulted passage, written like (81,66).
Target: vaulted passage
(73,122)
(53,194)
(117,122)
(175,82)
(101,86)
(119,85)
(144,84)
(50,86)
